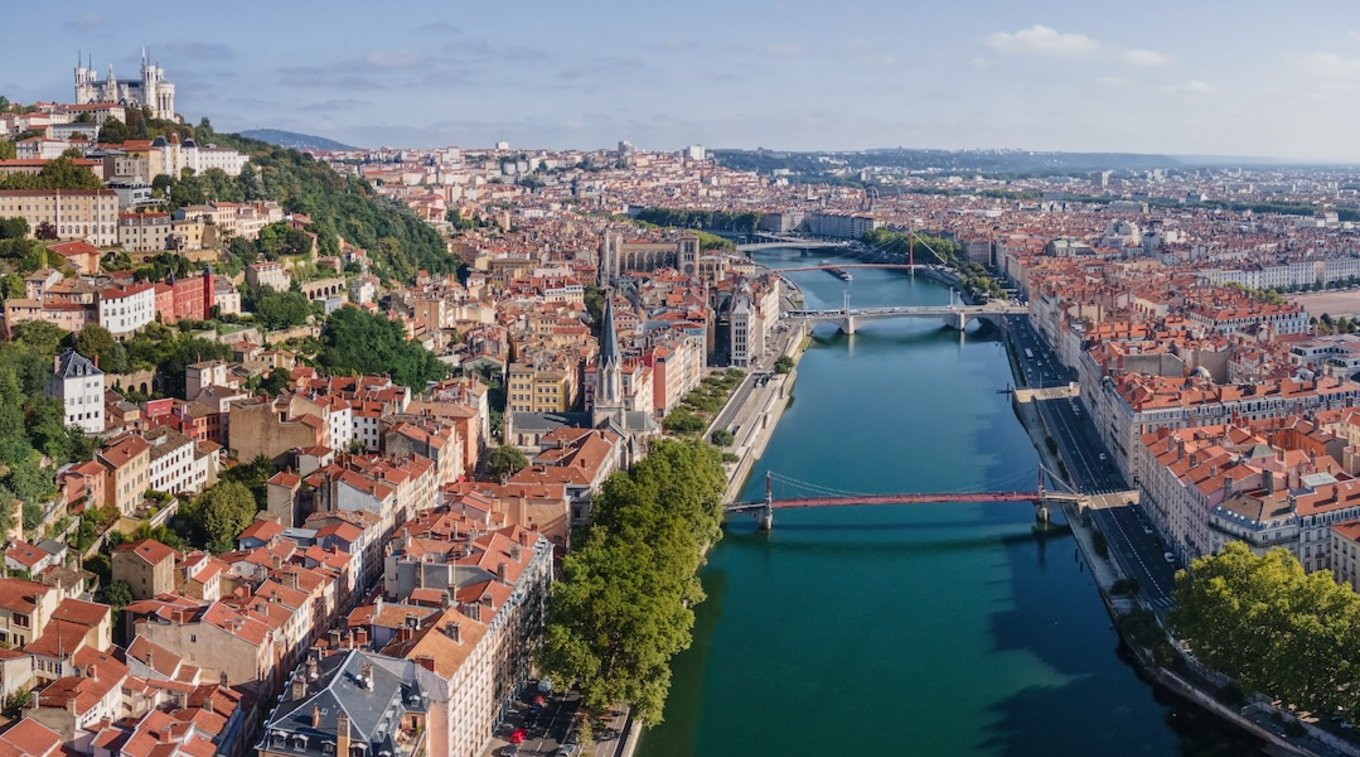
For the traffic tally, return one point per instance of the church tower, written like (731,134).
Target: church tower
(610,392)
(85,81)
(609,404)
(611,251)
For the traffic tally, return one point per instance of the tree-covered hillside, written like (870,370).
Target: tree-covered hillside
(398,243)
(341,207)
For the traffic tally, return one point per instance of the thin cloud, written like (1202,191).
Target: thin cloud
(1139,57)
(782,50)
(1042,40)
(1331,66)
(1192,87)
(87,22)
(392,58)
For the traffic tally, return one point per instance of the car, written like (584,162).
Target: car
(1104,456)
(1147,530)
(1168,557)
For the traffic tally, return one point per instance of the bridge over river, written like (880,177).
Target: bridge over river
(812,495)
(953,316)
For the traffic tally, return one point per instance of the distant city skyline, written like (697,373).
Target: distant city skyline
(1205,78)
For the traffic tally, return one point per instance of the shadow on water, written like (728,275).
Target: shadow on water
(1075,637)
(685,700)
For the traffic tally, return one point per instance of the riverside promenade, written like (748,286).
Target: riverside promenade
(1195,684)
(754,411)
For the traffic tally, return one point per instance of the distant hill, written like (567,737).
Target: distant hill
(294,140)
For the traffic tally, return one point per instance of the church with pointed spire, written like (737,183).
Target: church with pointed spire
(150,91)
(611,407)
(609,387)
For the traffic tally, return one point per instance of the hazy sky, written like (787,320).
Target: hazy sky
(1247,77)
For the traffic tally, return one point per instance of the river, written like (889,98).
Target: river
(947,629)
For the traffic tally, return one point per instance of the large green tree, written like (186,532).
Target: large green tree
(61,173)
(505,460)
(624,606)
(280,310)
(222,513)
(1272,627)
(356,342)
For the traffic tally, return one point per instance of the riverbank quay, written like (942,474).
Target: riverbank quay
(1157,657)
(757,417)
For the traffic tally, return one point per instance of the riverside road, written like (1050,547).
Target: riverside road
(1132,539)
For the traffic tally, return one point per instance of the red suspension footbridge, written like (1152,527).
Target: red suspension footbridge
(795,494)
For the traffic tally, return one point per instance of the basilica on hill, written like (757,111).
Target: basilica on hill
(151,90)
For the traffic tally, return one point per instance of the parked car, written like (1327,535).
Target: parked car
(1169,557)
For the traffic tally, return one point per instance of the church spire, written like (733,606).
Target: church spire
(609,338)
(610,372)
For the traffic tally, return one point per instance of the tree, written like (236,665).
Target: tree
(12,287)
(46,232)
(722,438)
(253,475)
(13,228)
(42,336)
(61,173)
(594,302)
(281,310)
(624,606)
(280,239)
(784,364)
(249,181)
(683,421)
(97,343)
(356,342)
(7,151)
(118,594)
(1273,627)
(112,132)
(277,380)
(505,461)
(222,513)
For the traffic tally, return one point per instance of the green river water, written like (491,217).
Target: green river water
(946,629)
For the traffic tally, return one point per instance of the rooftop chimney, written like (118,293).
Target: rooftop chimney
(316,716)
(299,687)
(342,735)
(366,674)
(454,631)
(500,572)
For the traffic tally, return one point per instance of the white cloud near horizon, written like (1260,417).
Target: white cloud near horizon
(1140,57)
(1042,40)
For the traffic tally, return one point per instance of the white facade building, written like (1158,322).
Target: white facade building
(79,385)
(123,310)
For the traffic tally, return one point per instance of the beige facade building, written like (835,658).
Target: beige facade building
(146,566)
(88,214)
(127,460)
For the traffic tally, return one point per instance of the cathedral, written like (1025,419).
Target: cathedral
(151,91)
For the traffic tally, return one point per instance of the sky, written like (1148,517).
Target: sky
(1249,77)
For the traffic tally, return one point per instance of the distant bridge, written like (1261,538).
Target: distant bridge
(1041,497)
(952,316)
(795,244)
